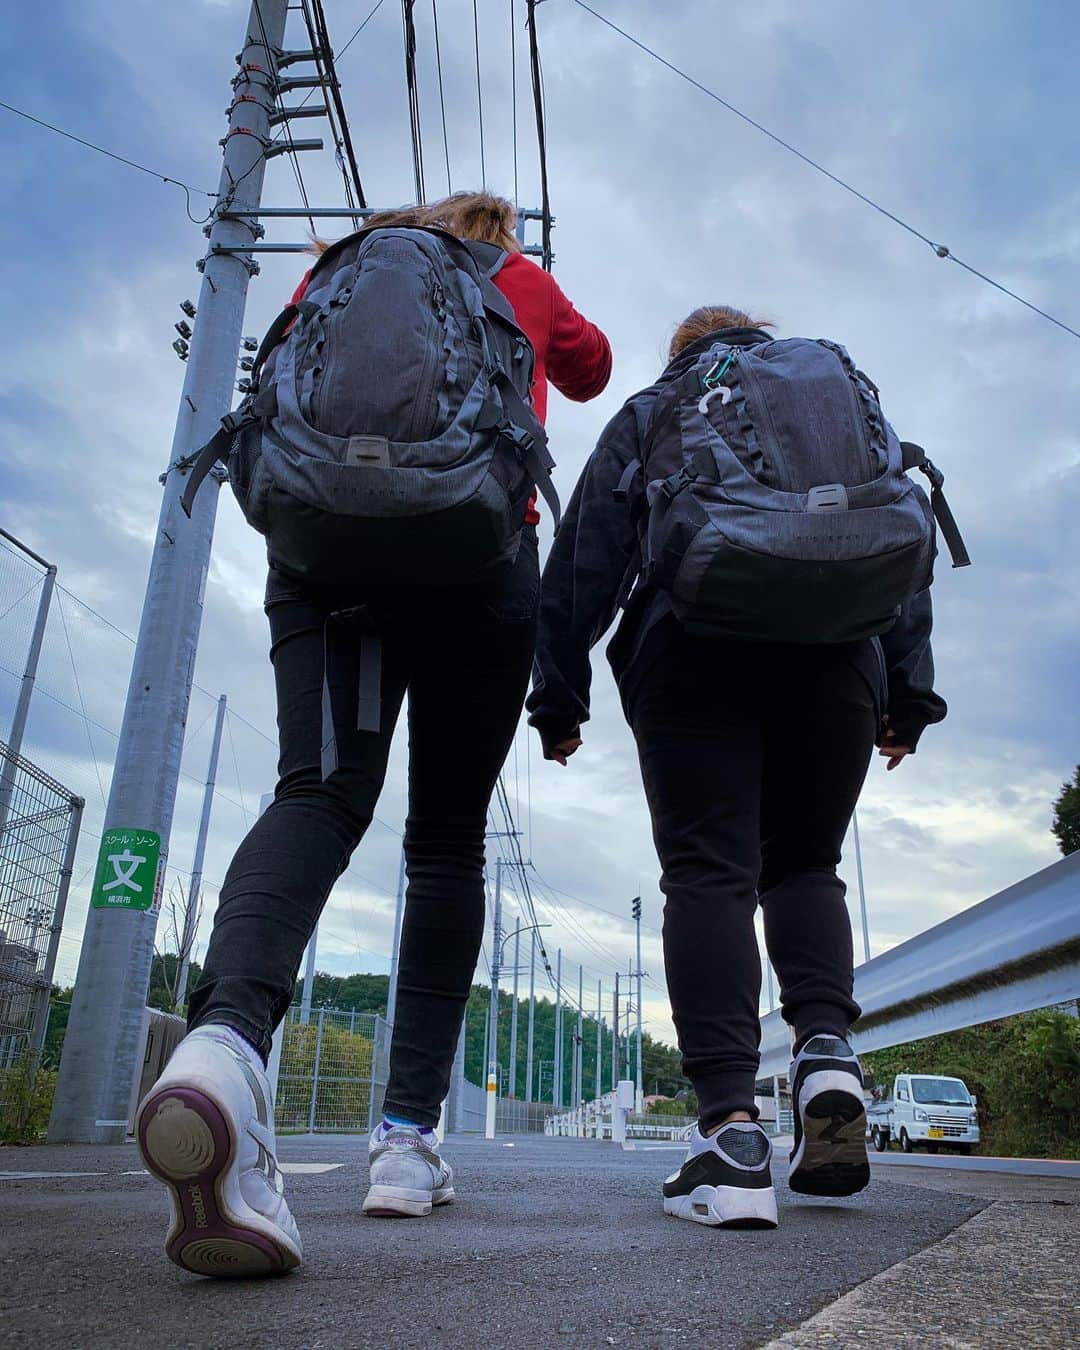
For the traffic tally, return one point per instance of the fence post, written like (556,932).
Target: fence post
(67,866)
(376,1035)
(315,1072)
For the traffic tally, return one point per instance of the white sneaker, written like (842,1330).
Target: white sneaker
(206,1129)
(407,1175)
(725,1180)
(829,1157)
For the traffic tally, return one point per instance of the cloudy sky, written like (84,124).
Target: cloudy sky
(958,117)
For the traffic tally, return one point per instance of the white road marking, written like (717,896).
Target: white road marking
(308,1169)
(46,1176)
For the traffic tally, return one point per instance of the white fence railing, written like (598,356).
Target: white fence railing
(1013,953)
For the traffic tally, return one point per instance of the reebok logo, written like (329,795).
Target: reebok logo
(196,1197)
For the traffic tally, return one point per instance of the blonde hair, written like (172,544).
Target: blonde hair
(710,319)
(468,215)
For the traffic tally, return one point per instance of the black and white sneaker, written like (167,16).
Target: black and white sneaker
(725,1180)
(829,1157)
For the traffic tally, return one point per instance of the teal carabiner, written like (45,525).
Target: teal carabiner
(717,373)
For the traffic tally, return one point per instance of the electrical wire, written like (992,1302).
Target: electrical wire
(541,136)
(513,97)
(82,703)
(286,130)
(442,95)
(479,93)
(339,125)
(121,159)
(941,250)
(408,28)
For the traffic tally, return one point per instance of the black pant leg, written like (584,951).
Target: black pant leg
(817,752)
(285,868)
(471,659)
(695,713)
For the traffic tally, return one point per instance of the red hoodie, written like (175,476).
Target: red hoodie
(570,351)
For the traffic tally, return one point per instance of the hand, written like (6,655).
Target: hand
(561,753)
(895,752)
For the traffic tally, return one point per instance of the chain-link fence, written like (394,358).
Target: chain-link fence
(332,1075)
(39,830)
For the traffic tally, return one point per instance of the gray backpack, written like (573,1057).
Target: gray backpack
(388,441)
(777,505)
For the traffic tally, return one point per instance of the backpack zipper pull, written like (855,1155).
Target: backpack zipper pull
(711,385)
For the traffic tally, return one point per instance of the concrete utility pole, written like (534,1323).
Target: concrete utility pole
(511,1090)
(395,948)
(615,1039)
(636,909)
(579,1053)
(493,1021)
(26,688)
(862,888)
(532,1018)
(191,916)
(307,989)
(557,1068)
(103,1047)
(599,1039)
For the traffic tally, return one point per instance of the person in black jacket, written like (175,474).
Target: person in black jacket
(753,756)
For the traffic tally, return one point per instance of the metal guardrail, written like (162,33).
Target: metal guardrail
(1013,953)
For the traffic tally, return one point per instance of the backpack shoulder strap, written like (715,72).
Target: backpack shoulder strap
(915,457)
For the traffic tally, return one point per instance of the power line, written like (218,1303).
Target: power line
(442,95)
(120,159)
(941,250)
(513,96)
(331,85)
(479,93)
(285,128)
(360,28)
(541,135)
(409,34)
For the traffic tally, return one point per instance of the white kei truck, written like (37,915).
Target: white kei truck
(924,1111)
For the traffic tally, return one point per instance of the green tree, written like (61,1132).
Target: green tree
(163,978)
(1066,826)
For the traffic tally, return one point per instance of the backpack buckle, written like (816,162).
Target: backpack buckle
(671,487)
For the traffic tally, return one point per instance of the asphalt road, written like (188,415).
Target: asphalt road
(551,1243)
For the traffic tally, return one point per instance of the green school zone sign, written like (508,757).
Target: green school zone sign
(129,871)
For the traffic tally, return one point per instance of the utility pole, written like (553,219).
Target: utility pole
(395,948)
(615,1039)
(512,1086)
(579,1054)
(557,1069)
(599,1039)
(26,688)
(103,1048)
(636,909)
(862,888)
(493,1022)
(191,916)
(308,987)
(532,1018)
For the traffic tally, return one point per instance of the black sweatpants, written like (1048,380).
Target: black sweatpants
(464,658)
(753,757)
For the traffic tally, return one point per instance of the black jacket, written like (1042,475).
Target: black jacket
(592,553)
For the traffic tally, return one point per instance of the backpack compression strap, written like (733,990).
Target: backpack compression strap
(534,451)
(915,457)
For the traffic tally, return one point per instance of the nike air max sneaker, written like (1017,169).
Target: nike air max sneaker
(829,1157)
(206,1129)
(406,1173)
(725,1179)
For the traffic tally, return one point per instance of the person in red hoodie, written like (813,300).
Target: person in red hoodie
(464,660)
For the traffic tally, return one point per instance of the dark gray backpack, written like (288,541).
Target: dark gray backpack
(777,505)
(389,441)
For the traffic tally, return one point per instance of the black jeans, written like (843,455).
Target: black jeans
(753,758)
(464,659)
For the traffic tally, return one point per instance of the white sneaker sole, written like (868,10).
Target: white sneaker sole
(725,1207)
(188,1141)
(400,1202)
(831,1158)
